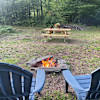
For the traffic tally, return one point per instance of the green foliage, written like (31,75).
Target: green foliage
(48,12)
(7,29)
(51,19)
(56,96)
(98,48)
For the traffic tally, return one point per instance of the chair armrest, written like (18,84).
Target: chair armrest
(72,81)
(40,81)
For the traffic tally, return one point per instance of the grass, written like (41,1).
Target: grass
(57,96)
(81,51)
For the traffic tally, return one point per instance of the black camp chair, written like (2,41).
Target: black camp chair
(18,84)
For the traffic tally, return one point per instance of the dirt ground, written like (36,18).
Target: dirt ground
(81,51)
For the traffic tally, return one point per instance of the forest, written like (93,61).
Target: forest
(48,12)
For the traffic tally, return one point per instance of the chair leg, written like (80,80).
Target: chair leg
(39,93)
(66,87)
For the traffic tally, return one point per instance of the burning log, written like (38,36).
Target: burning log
(34,61)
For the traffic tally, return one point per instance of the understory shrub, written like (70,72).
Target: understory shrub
(7,29)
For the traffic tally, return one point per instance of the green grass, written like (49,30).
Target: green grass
(81,51)
(56,96)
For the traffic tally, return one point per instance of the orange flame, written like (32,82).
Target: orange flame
(49,62)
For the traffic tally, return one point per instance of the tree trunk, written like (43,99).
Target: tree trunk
(29,12)
(34,11)
(41,10)
(37,14)
(34,14)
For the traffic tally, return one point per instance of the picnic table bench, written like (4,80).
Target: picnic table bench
(56,32)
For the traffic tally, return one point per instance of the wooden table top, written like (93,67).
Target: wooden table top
(56,29)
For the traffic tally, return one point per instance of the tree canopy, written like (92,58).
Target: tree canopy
(48,12)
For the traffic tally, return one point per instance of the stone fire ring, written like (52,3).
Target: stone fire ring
(35,64)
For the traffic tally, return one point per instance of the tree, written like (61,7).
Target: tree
(48,12)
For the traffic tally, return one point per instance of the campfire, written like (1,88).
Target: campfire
(48,63)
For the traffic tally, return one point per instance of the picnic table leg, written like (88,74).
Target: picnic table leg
(45,38)
(64,39)
(66,33)
(51,37)
(53,32)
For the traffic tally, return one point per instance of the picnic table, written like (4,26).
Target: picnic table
(56,32)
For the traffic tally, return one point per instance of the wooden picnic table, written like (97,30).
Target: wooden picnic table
(58,29)
(51,32)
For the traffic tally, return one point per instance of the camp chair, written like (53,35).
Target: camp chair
(18,84)
(87,87)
